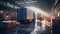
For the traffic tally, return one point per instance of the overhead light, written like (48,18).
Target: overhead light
(26,2)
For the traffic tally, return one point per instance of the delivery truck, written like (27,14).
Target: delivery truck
(26,18)
(56,26)
(25,15)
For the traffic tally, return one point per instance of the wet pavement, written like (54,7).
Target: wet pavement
(29,29)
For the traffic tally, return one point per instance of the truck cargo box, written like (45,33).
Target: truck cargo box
(56,26)
(24,14)
(30,14)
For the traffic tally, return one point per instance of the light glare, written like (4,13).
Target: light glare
(37,10)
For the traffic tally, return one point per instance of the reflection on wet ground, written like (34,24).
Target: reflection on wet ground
(29,29)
